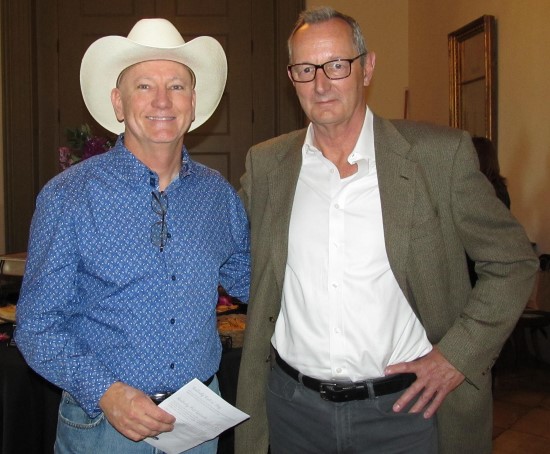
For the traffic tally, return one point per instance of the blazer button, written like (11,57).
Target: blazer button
(272,319)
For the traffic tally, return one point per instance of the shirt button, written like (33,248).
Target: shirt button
(172,366)
(168,235)
(337,330)
(337,206)
(172,321)
(173,277)
(334,285)
(339,370)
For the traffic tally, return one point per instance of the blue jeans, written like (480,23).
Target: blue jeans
(77,433)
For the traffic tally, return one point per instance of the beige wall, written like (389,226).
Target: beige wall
(410,40)
(524,91)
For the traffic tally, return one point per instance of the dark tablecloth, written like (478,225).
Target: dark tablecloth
(28,405)
(228,376)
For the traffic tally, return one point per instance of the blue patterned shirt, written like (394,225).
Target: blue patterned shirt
(100,301)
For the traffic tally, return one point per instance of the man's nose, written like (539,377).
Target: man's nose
(162,98)
(321,81)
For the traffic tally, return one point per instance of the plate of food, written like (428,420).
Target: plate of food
(226,304)
(232,325)
(7,313)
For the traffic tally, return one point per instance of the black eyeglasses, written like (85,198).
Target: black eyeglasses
(333,69)
(159,229)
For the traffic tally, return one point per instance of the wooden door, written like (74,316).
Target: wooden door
(43,43)
(220,143)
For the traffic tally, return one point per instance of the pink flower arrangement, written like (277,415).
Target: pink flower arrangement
(82,145)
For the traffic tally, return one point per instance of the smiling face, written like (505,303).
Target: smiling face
(330,102)
(156,100)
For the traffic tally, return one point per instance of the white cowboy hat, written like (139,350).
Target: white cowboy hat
(151,39)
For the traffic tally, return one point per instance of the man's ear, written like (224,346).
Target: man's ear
(368,68)
(116,100)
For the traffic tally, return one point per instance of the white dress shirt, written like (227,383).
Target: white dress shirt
(343,315)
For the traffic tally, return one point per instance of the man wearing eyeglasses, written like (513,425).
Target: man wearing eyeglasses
(376,341)
(127,249)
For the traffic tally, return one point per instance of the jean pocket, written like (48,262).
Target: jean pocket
(281,385)
(72,414)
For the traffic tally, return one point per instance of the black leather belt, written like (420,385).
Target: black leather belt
(159,397)
(344,392)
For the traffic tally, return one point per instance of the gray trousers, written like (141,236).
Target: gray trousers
(300,422)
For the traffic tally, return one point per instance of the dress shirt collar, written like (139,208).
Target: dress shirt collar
(134,170)
(363,150)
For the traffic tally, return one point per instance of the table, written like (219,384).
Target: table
(13,264)
(228,376)
(29,404)
(12,268)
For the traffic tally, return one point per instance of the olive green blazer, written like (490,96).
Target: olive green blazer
(436,206)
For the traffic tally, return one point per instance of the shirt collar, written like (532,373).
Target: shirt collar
(363,150)
(133,169)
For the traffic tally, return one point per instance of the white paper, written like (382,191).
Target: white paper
(200,416)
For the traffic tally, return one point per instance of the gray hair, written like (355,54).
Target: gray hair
(324,14)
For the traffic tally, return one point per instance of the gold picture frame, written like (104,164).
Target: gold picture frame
(473,78)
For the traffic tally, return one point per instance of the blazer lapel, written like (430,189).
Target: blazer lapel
(396,179)
(282,181)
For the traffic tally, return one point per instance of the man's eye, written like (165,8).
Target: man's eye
(143,86)
(335,66)
(177,87)
(307,69)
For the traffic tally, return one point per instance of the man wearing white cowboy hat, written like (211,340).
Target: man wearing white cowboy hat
(127,249)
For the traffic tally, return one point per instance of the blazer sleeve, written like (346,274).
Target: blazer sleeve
(505,265)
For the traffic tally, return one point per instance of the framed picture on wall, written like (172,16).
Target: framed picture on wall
(473,78)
